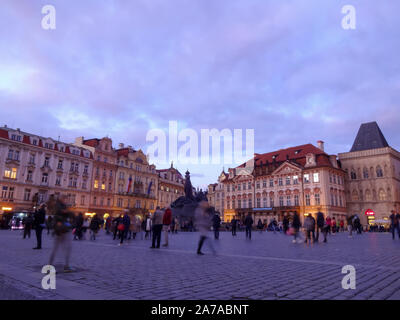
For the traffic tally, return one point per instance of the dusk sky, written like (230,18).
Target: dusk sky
(285,68)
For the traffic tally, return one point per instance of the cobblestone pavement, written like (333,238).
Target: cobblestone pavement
(269,266)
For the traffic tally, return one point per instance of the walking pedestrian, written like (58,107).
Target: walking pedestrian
(49,224)
(234,223)
(94,227)
(309,225)
(166,220)
(249,224)
(148,227)
(296,224)
(62,237)
(27,222)
(321,226)
(116,222)
(285,224)
(203,224)
(78,227)
(108,224)
(216,220)
(157,222)
(260,226)
(395,223)
(333,225)
(39,220)
(126,222)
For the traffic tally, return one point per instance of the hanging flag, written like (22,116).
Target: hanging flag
(129,183)
(149,188)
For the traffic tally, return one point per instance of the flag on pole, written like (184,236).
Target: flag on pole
(129,183)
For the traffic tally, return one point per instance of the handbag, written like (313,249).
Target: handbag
(121,227)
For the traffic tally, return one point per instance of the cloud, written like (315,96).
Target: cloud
(283,68)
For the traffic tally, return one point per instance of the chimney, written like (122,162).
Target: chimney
(321,145)
(121,145)
(79,141)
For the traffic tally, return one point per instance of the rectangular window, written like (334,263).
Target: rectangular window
(29,176)
(316,177)
(10,154)
(60,164)
(258,202)
(295,180)
(82,200)
(11,193)
(308,200)
(271,202)
(239,204)
(45,177)
(250,203)
(47,161)
(296,200)
(280,182)
(306,178)
(4,192)
(27,194)
(271,182)
(10,173)
(281,201)
(265,204)
(58,181)
(317,199)
(96,184)
(287,181)
(288,201)
(264,184)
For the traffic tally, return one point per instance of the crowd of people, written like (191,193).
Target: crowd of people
(126,226)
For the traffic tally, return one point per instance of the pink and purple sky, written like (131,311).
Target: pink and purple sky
(285,68)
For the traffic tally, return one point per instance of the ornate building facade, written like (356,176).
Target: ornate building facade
(34,168)
(302,178)
(216,194)
(103,174)
(372,175)
(136,182)
(170,186)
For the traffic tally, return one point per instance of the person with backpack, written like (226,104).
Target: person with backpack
(123,227)
(320,225)
(116,223)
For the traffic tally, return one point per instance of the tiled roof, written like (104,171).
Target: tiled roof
(26,140)
(369,137)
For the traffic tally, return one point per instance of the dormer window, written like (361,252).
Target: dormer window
(16,137)
(34,142)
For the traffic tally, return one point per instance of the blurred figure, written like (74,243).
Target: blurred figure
(328,222)
(78,227)
(167,219)
(333,225)
(249,224)
(309,225)
(285,224)
(157,222)
(234,223)
(395,223)
(39,220)
(108,224)
(116,223)
(124,229)
(49,224)
(320,225)
(341,225)
(216,220)
(148,227)
(61,231)
(27,222)
(94,227)
(296,224)
(203,224)
(260,226)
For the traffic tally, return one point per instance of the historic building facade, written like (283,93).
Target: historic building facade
(34,168)
(302,178)
(170,186)
(373,175)
(102,180)
(216,194)
(136,182)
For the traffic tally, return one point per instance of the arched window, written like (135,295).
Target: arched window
(353,174)
(354,195)
(379,172)
(365,173)
(368,195)
(382,195)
